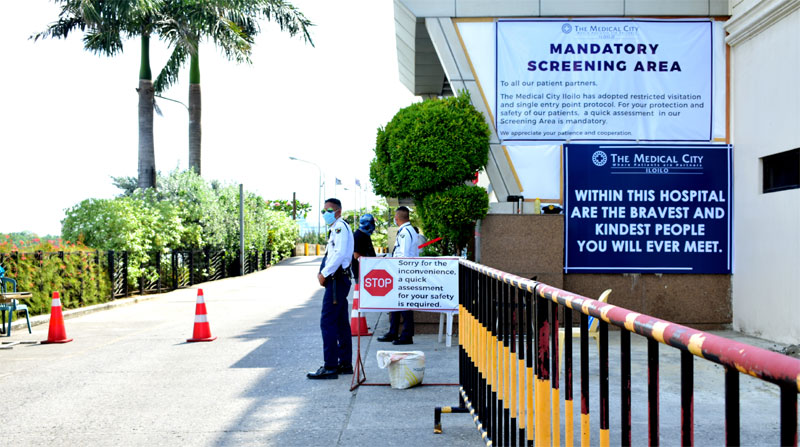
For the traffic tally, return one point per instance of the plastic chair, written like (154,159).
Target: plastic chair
(576,331)
(12,305)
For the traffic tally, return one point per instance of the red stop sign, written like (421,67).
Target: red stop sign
(378,282)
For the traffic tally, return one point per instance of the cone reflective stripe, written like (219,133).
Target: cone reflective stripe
(202,330)
(358,322)
(57,332)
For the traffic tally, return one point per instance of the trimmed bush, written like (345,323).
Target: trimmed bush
(430,146)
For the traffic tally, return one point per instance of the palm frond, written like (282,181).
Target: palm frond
(107,42)
(170,73)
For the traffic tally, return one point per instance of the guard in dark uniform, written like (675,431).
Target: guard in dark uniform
(362,242)
(334,275)
(406,245)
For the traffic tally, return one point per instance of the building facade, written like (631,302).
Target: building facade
(446,47)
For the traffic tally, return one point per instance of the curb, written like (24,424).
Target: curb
(73,313)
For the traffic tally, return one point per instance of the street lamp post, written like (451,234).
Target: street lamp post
(319,194)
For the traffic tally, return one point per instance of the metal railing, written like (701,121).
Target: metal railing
(509,365)
(181,268)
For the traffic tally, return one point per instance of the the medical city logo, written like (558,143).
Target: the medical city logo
(566,28)
(599,158)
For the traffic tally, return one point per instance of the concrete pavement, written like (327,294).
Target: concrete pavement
(129,378)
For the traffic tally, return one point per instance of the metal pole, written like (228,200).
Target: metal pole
(319,194)
(241,229)
(294,206)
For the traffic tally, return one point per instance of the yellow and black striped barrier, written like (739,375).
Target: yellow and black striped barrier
(509,365)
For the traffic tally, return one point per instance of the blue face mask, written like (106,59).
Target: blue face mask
(329,217)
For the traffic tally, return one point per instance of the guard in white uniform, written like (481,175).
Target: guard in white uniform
(406,245)
(334,275)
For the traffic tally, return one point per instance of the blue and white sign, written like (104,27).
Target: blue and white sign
(648,208)
(618,79)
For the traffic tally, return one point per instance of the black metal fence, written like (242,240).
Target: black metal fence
(181,268)
(509,366)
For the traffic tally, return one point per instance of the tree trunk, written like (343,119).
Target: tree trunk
(195,131)
(147,156)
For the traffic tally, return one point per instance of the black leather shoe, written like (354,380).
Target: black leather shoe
(345,369)
(403,341)
(323,373)
(387,337)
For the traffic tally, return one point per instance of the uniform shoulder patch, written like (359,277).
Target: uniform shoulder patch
(402,235)
(338,230)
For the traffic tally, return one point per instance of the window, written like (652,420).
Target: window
(781,171)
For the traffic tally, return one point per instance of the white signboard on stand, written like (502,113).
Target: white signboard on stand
(396,284)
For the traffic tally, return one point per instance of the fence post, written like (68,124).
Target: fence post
(158,271)
(141,284)
(207,253)
(174,270)
(97,263)
(125,272)
(112,272)
(543,429)
(191,267)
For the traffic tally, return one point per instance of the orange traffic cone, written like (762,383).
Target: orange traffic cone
(202,331)
(358,322)
(57,333)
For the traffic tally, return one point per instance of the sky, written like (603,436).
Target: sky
(68,120)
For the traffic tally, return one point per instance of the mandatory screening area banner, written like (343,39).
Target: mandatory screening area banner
(648,208)
(424,284)
(604,80)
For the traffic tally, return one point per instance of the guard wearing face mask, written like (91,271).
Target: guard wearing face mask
(334,275)
(406,245)
(362,242)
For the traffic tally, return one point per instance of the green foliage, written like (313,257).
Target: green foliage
(185,212)
(429,151)
(313,238)
(78,275)
(451,214)
(285,206)
(138,224)
(430,146)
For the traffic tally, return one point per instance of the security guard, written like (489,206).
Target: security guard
(406,245)
(334,275)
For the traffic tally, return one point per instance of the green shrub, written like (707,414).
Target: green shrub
(451,214)
(80,277)
(430,151)
(430,146)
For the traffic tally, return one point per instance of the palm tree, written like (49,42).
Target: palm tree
(106,23)
(231,25)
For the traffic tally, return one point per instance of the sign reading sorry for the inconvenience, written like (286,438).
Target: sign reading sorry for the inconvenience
(427,284)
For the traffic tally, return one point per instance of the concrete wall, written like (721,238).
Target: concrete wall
(765,97)
(533,245)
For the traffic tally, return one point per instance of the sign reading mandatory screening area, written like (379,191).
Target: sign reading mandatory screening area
(647,208)
(604,80)
(425,284)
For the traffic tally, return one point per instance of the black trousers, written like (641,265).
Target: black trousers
(408,323)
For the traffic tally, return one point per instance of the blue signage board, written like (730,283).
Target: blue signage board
(648,208)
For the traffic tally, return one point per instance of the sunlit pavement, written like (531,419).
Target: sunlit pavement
(130,378)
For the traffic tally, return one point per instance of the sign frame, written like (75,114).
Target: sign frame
(449,283)
(670,202)
(640,127)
